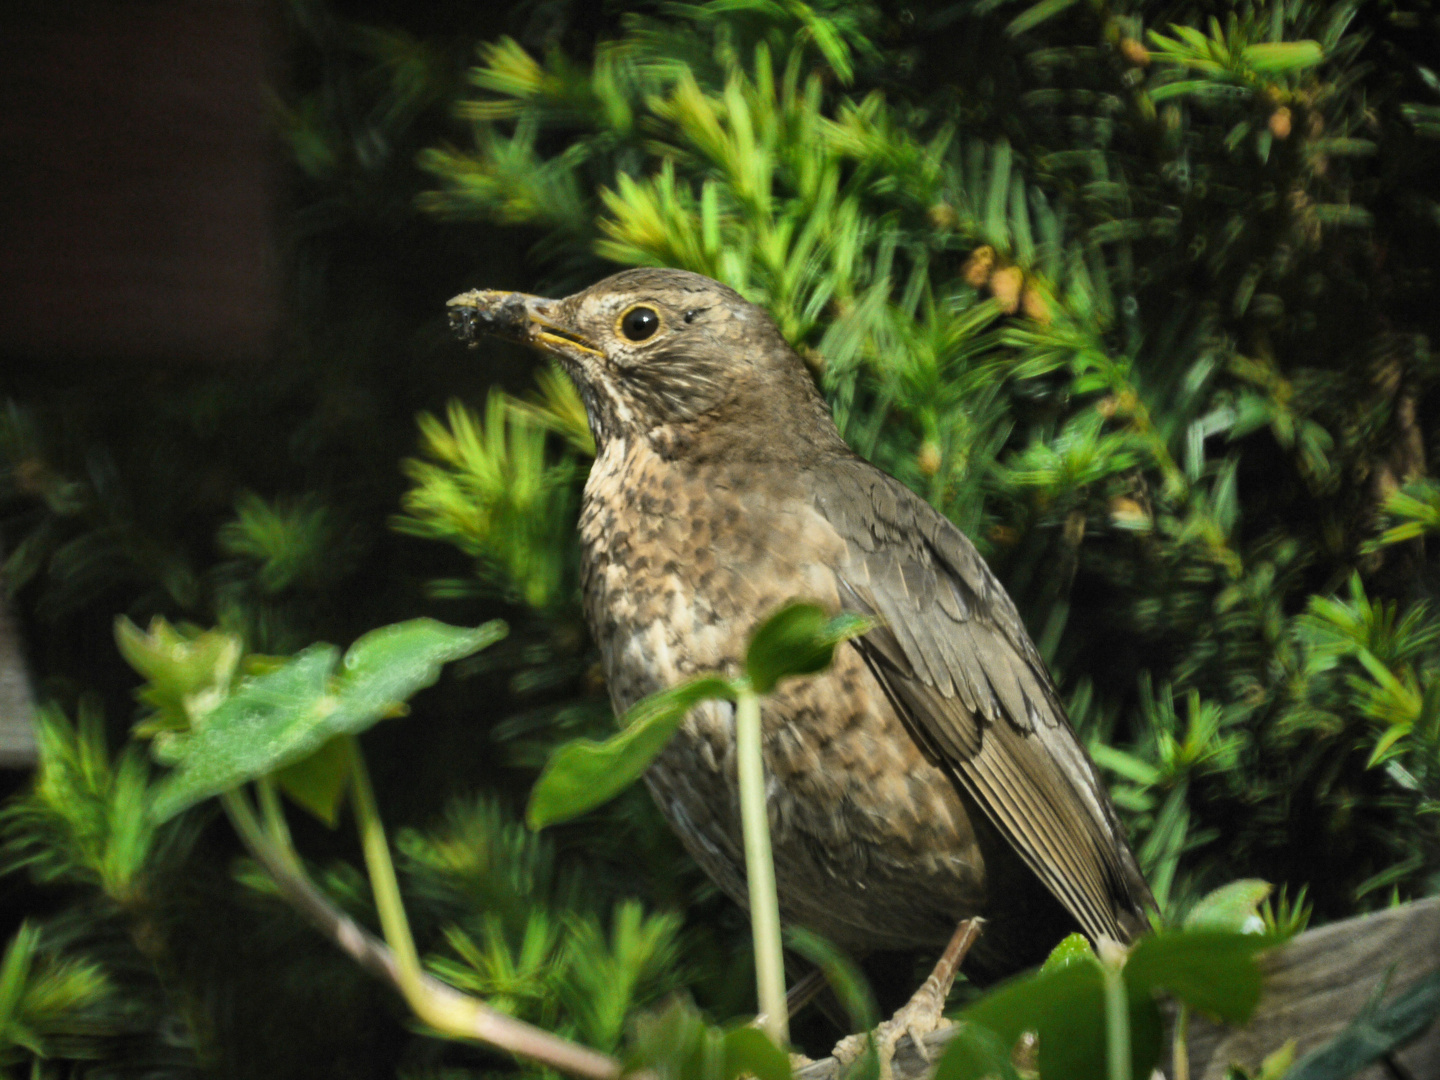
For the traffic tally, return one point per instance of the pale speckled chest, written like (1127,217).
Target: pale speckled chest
(872,845)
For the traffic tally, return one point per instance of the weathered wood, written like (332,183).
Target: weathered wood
(1314,986)
(1317,983)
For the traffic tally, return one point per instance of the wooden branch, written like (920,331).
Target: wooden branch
(1314,986)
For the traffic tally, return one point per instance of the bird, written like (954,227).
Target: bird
(930,778)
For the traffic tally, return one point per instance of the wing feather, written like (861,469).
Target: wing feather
(954,656)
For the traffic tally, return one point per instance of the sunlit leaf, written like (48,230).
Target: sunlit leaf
(284,716)
(1074,948)
(1273,57)
(186,672)
(1234,907)
(799,639)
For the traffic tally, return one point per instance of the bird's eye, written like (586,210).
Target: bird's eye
(639,323)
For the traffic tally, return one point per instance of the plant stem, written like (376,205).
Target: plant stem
(1117,1017)
(393,922)
(272,814)
(1180,1041)
(242,818)
(760,867)
(438,1004)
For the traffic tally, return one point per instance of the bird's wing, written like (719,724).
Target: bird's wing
(955,659)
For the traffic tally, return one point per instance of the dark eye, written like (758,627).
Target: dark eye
(639,323)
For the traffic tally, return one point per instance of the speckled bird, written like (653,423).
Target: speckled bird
(931,775)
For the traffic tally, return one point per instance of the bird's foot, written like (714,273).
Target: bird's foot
(921,1015)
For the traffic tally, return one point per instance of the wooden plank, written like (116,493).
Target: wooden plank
(1315,985)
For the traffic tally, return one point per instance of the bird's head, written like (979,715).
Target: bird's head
(656,349)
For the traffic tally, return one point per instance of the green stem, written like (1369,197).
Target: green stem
(439,1005)
(242,818)
(1117,1020)
(1181,1047)
(383,883)
(272,814)
(760,868)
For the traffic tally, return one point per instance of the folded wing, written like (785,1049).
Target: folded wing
(954,657)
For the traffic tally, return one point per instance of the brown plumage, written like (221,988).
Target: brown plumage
(931,774)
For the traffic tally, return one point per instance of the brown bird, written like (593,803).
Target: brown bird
(930,776)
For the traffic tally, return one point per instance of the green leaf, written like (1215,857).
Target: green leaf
(748,1052)
(797,640)
(318,783)
(847,981)
(975,1053)
(1065,1005)
(1127,765)
(287,714)
(585,773)
(1231,907)
(1277,56)
(1033,16)
(1024,1003)
(187,673)
(1215,971)
(1075,948)
(389,665)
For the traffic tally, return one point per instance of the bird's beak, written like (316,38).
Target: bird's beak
(530,320)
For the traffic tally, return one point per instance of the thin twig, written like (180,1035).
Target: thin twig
(485,1024)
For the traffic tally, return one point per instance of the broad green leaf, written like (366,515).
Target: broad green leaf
(1065,1005)
(1215,971)
(797,640)
(318,783)
(1026,1002)
(585,773)
(1234,907)
(264,724)
(284,716)
(748,1052)
(389,665)
(1073,1044)
(1272,57)
(975,1053)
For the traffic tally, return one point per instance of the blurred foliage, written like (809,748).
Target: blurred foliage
(1140,295)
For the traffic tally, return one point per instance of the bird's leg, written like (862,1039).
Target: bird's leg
(805,990)
(922,1014)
